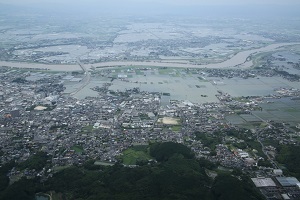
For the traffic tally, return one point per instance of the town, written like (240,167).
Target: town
(37,115)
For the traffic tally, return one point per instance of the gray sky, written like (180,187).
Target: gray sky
(170,2)
(230,8)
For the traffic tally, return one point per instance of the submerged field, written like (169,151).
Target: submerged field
(180,84)
(277,110)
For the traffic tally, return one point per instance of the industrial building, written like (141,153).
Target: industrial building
(287,181)
(263,182)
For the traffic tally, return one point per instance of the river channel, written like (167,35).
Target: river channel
(240,60)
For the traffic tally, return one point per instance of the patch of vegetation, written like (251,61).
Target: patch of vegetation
(76,73)
(264,163)
(289,155)
(250,142)
(37,161)
(138,72)
(176,128)
(240,145)
(77,149)
(144,116)
(257,146)
(87,129)
(164,151)
(178,176)
(135,155)
(24,189)
(285,74)
(4,180)
(55,127)
(208,140)
(241,99)
(20,80)
(270,142)
(59,168)
(165,71)
(228,187)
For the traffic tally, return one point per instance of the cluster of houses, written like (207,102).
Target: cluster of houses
(72,131)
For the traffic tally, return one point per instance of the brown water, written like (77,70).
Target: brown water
(238,60)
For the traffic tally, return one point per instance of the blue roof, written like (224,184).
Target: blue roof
(287,181)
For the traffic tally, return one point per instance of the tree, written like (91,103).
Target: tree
(163,151)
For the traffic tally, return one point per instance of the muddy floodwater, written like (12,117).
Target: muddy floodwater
(240,60)
(176,84)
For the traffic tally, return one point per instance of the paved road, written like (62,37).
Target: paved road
(263,146)
(86,79)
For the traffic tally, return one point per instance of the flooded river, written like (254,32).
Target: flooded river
(239,60)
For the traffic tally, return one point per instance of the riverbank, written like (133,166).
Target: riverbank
(241,60)
(36,66)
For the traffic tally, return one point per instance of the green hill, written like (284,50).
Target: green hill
(176,175)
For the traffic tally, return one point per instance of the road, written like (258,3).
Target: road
(263,146)
(86,79)
(269,158)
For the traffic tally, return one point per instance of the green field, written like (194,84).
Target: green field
(87,129)
(165,71)
(103,163)
(59,168)
(135,154)
(176,128)
(77,149)
(282,110)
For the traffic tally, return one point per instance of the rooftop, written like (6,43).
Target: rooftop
(263,182)
(287,181)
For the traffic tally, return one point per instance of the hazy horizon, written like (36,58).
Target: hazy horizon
(169,2)
(215,8)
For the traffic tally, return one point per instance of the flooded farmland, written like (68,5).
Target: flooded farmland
(179,84)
